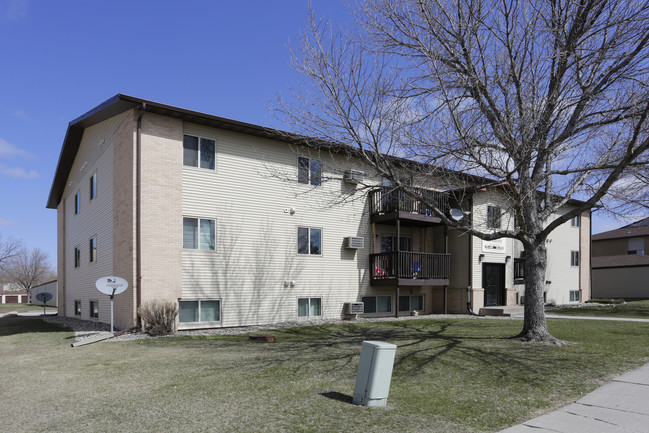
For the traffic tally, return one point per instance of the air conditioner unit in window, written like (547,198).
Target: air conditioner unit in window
(354,242)
(354,176)
(354,308)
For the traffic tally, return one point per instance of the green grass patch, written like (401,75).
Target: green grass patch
(24,308)
(450,375)
(633,309)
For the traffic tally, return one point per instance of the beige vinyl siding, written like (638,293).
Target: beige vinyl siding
(95,218)
(255,181)
(458,246)
(562,277)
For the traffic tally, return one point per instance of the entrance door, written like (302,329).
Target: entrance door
(493,282)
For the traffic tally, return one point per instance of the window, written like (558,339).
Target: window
(309,171)
(519,269)
(93,249)
(636,246)
(94,309)
(411,303)
(309,241)
(77,203)
(493,217)
(388,242)
(574,296)
(574,221)
(574,258)
(199,152)
(199,311)
(77,256)
(377,304)
(77,308)
(308,307)
(199,233)
(93,185)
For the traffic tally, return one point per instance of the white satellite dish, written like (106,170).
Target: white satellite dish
(111,286)
(456,214)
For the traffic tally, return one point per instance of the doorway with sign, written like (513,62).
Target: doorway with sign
(493,282)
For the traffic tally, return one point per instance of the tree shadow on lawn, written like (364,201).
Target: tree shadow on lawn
(24,325)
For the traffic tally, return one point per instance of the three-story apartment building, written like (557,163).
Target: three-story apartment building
(242,225)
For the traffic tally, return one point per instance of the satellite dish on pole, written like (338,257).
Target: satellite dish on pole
(44,297)
(111,286)
(456,214)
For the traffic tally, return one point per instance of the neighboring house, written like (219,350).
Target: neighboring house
(240,225)
(620,262)
(50,287)
(11,293)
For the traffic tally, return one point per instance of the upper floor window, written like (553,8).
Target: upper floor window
(77,256)
(199,152)
(519,269)
(309,241)
(77,203)
(636,246)
(199,233)
(493,217)
(93,185)
(309,171)
(93,249)
(574,221)
(574,258)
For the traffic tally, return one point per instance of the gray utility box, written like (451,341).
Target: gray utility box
(374,373)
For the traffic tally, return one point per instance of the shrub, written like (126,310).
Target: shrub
(158,318)
(605,301)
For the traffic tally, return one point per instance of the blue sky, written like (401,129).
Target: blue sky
(61,58)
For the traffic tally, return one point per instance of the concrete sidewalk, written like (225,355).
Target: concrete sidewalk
(619,406)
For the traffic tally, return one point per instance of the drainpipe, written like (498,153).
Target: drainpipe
(468,303)
(138,210)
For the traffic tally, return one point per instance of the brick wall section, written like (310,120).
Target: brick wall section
(124,146)
(162,153)
(584,256)
(60,253)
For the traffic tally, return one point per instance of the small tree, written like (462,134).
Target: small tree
(547,99)
(27,268)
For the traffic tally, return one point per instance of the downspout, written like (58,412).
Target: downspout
(138,210)
(470,286)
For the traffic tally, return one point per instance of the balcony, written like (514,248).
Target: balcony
(410,269)
(387,203)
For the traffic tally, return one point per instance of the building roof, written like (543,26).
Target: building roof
(641,223)
(621,261)
(624,232)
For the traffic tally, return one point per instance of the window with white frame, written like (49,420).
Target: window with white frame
(77,203)
(411,303)
(77,256)
(377,304)
(309,171)
(574,296)
(636,246)
(77,308)
(574,221)
(199,152)
(309,241)
(93,185)
(574,258)
(199,233)
(309,307)
(93,249)
(493,217)
(201,310)
(94,309)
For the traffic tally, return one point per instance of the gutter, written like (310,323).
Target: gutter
(138,209)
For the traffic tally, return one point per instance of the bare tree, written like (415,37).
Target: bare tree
(548,99)
(8,249)
(27,268)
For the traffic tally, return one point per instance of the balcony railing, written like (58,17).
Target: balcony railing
(387,199)
(422,266)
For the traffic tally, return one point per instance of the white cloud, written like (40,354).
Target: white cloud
(6,223)
(13,10)
(17,172)
(8,150)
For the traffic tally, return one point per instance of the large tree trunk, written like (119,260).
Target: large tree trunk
(535,328)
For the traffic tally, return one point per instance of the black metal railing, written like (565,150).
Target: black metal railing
(423,266)
(387,199)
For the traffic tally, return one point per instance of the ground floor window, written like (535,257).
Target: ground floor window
(411,303)
(377,304)
(307,307)
(77,308)
(574,296)
(94,309)
(199,311)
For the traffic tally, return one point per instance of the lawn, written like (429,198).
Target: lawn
(633,309)
(450,375)
(23,308)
